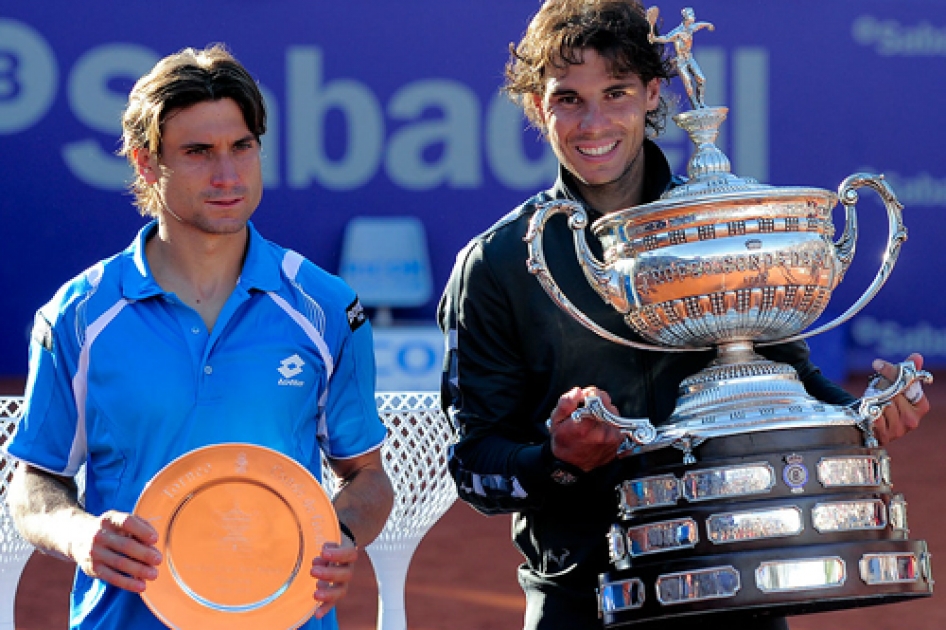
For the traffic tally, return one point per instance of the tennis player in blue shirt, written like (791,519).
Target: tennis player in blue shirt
(200,333)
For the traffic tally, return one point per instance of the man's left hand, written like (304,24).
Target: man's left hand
(334,570)
(901,416)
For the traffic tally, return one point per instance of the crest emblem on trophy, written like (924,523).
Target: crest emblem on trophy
(779,501)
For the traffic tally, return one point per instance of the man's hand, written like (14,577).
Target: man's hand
(363,504)
(589,443)
(334,570)
(901,416)
(117,548)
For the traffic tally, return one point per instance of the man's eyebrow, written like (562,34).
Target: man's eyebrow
(209,145)
(620,83)
(563,90)
(617,85)
(196,145)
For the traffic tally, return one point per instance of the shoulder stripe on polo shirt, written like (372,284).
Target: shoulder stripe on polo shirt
(291,263)
(93,276)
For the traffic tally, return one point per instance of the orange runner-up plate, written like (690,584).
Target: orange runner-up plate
(238,526)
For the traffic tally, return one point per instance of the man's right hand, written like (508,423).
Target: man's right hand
(589,443)
(118,548)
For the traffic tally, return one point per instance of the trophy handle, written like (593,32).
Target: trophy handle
(604,281)
(845,245)
(871,406)
(635,430)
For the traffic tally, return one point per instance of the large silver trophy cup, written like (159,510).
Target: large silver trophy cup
(780,503)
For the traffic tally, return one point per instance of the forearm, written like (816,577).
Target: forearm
(826,390)
(496,476)
(364,500)
(817,384)
(46,510)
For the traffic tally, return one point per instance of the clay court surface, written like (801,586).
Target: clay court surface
(463,574)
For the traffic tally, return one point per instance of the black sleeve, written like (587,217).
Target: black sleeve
(798,355)
(501,462)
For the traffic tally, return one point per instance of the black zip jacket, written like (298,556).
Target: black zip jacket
(512,353)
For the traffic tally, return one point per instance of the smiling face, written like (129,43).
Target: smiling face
(595,125)
(208,176)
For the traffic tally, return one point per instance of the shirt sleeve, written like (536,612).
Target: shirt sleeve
(499,463)
(351,416)
(49,434)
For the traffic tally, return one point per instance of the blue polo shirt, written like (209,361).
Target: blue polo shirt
(124,377)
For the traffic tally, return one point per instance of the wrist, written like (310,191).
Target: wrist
(559,471)
(346,531)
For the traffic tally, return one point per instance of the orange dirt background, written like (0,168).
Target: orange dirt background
(462,576)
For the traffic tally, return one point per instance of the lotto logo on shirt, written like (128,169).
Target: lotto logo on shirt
(290,367)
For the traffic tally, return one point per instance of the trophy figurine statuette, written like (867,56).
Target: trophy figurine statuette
(779,501)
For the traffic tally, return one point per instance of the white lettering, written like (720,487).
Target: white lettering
(417,358)
(101,109)
(457,134)
(309,100)
(28,76)
(751,100)
(504,148)
(674,142)
(269,156)
(889,38)
(440,138)
(893,339)
(919,190)
(408,358)
(749,147)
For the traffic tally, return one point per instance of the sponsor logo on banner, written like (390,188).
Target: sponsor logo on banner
(391,137)
(921,189)
(409,358)
(895,339)
(891,38)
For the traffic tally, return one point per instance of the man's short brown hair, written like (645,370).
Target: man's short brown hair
(178,81)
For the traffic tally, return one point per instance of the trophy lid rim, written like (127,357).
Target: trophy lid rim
(738,197)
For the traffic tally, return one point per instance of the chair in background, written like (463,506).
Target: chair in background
(415,458)
(385,260)
(14,551)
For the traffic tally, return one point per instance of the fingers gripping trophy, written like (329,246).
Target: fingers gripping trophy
(754,495)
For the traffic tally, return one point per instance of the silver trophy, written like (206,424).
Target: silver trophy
(726,262)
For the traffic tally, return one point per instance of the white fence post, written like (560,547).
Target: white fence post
(415,458)
(14,551)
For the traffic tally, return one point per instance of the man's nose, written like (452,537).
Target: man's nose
(225,171)
(593,117)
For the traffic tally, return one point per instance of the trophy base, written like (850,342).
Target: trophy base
(801,581)
(774,522)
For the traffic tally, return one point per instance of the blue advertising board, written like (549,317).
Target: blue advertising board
(382,109)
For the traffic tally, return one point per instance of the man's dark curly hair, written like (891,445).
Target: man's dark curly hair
(616,29)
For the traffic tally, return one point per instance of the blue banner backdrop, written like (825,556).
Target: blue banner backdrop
(392,109)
